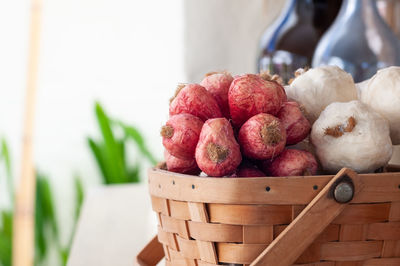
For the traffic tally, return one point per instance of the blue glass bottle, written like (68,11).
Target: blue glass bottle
(289,43)
(359,41)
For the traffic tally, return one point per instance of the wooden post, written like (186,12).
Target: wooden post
(23,236)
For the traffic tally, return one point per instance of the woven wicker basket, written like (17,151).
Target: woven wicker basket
(276,221)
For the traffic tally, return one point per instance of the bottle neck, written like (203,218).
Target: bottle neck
(300,10)
(358,7)
(304,9)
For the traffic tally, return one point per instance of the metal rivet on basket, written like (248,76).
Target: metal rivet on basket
(343,192)
(159,186)
(267,188)
(315,187)
(173,182)
(193,186)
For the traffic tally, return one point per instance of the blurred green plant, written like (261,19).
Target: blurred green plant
(110,152)
(111,156)
(79,197)
(46,225)
(6,224)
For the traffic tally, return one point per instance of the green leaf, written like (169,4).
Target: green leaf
(64,253)
(5,154)
(121,150)
(110,154)
(7,222)
(46,227)
(113,160)
(5,249)
(6,238)
(137,137)
(47,201)
(79,196)
(40,241)
(134,174)
(97,152)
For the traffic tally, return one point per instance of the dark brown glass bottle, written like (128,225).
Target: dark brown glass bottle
(289,43)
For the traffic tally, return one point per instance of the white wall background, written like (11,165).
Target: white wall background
(223,35)
(127,54)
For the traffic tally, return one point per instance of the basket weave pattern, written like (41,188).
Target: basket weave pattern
(196,231)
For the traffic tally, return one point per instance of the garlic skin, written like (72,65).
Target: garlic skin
(363,148)
(382,93)
(318,87)
(361,86)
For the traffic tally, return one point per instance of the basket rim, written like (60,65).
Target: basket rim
(293,190)
(391,168)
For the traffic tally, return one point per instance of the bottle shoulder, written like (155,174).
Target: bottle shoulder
(292,37)
(359,41)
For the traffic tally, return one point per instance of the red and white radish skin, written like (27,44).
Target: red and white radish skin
(296,124)
(196,100)
(250,95)
(183,166)
(218,83)
(247,169)
(180,135)
(262,137)
(291,163)
(217,152)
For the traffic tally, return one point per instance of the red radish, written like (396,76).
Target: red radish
(282,93)
(250,95)
(275,78)
(196,100)
(296,124)
(217,83)
(180,135)
(217,152)
(182,166)
(262,137)
(291,163)
(247,169)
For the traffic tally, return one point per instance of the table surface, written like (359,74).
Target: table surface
(115,223)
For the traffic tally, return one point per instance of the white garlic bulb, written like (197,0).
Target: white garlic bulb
(351,135)
(318,87)
(382,93)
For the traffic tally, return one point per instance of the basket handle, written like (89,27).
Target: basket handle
(318,214)
(151,254)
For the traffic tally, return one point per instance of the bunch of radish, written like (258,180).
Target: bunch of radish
(236,127)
